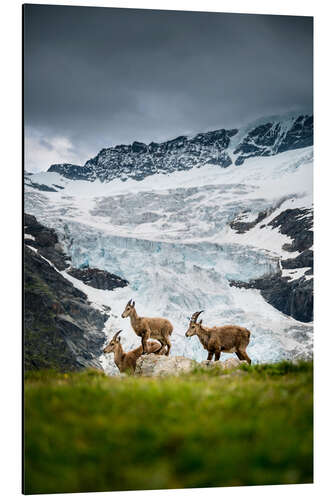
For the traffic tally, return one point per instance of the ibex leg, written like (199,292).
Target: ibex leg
(245,356)
(144,342)
(210,356)
(240,356)
(217,355)
(161,349)
(168,343)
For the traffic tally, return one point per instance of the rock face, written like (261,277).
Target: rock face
(292,297)
(242,227)
(288,292)
(98,278)
(272,138)
(62,331)
(296,223)
(139,160)
(44,240)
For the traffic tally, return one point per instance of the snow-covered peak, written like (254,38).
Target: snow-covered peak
(181,239)
(263,137)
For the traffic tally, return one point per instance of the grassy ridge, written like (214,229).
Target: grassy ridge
(88,432)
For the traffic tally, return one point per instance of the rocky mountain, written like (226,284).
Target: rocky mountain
(98,278)
(219,147)
(290,295)
(63,330)
(275,137)
(44,241)
(227,230)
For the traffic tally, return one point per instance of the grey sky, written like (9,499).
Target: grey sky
(97,77)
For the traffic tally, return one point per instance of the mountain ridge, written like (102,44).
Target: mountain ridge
(218,147)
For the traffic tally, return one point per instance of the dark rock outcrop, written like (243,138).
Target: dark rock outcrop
(46,241)
(62,330)
(70,171)
(304,259)
(272,138)
(139,160)
(98,278)
(297,224)
(292,297)
(242,227)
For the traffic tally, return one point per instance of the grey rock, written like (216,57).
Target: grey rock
(228,364)
(98,278)
(139,160)
(152,365)
(62,330)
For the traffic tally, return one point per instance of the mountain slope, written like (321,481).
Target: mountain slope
(220,147)
(63,330)
(290,288)
(181,240)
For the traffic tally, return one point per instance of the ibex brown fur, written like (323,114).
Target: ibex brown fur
(229,338)
(156,328)
(126,361)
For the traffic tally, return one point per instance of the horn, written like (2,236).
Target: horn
(129,303)
(116,335)
(195,315)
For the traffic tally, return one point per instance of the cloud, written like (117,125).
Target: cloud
(42,151)
(98,77)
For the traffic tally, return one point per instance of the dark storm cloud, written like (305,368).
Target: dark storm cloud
(96,77)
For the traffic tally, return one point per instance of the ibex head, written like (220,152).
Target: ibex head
(128,309)
(193,327)
(113,343)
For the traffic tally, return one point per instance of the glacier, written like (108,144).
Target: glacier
(169,235)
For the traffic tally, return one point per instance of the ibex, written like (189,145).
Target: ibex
(156,328)
(126,361)
(229,338)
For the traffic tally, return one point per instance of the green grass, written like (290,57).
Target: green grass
(88,432)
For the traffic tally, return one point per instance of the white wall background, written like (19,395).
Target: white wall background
(10,260)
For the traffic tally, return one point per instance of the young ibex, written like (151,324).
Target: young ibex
(229,338)
(126,361)
(156,328)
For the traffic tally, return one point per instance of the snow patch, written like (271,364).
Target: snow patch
(170,236)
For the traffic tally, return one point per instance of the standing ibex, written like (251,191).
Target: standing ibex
(229,338)
(156,328)
(126,361)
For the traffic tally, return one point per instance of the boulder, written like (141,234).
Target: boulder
(228,364)
(152,365)
(232,363)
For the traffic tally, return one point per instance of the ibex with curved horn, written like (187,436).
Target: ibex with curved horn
(156,328)
(126,361)
(229,338)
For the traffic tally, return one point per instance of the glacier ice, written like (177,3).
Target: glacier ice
(170,237)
